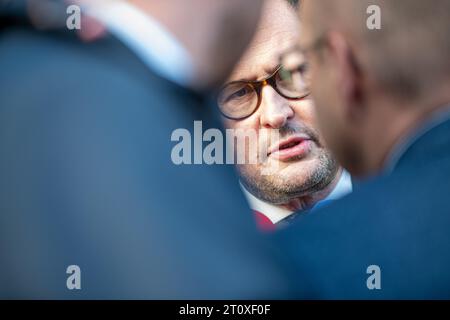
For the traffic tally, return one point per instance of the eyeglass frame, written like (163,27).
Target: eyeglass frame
(257,86)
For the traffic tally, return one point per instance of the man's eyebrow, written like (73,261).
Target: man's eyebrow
(270,71)
(248,79)
(267,70)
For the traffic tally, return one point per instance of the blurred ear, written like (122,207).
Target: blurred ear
(348,77)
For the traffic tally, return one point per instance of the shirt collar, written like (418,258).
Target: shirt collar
(343,187)
(150,41)
(276,213)
(436,118)
(271,211)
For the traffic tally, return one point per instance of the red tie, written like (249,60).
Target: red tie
(264,223)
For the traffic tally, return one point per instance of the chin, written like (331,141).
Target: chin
(299,167)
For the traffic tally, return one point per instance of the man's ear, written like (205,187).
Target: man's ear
(348,76)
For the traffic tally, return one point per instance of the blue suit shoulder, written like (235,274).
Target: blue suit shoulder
(398,222)
(87,179)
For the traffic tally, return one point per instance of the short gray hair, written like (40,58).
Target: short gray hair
(410,53)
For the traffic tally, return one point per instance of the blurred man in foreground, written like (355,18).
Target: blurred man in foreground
(91,205)
(383,104)
(261,94)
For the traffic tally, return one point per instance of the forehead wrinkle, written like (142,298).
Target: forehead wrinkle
(262,56)
(277,31)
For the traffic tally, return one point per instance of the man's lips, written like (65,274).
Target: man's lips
(295,146)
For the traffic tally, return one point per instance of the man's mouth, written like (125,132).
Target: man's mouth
(292,147)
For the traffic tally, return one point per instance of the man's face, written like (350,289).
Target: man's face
(302,165)
(324,84)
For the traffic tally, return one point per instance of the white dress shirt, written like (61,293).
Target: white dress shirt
(147,38)
(276,213)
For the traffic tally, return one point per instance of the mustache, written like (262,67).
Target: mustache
(289,130)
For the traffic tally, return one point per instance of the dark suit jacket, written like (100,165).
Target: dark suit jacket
(399,222)
(86,179)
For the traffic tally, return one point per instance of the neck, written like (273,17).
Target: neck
(400,120)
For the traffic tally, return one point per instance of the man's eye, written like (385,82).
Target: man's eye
(301,71)
(285,74)
(239,94)
(303,68)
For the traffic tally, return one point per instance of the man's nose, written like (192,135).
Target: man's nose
(275,110)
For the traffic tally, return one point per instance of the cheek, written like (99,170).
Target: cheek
(332,129)
(321,83)
(323,116)
(304,112)
(231,124)
(323,119)
(328,110)
(312,119)
(251,122)
(243,127)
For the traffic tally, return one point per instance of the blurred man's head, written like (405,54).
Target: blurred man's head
(214,32)
(372,87)
(302,166)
